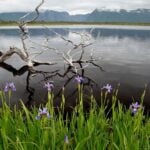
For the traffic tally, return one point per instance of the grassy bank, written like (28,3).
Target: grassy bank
(43,129)
(11,23)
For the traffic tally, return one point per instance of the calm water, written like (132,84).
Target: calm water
(123,53)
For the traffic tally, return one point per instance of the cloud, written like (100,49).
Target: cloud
(72,6)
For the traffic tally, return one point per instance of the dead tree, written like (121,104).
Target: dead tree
(67,56)
(73,58)
(23,52)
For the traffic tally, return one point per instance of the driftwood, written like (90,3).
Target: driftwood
(23,53)
(14,50)
(68,56)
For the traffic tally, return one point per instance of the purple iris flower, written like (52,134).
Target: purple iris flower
(134,107)
(108,87)
(49,86)
(9,86)
(79,79)
(66,139)
(42,113)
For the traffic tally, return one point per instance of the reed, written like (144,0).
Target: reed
(43,129)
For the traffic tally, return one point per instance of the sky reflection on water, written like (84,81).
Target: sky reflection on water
(123,53)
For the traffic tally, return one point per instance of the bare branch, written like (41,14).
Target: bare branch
(11,51)
(21,20)
(24,31)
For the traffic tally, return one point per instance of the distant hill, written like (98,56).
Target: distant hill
(138,15)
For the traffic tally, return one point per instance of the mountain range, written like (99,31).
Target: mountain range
(138,15)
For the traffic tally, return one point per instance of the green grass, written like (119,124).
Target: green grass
(92,130)
(13,23)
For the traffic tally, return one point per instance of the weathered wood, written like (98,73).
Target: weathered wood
(22,53)
(11,51)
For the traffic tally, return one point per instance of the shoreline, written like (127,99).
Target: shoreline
(38,23)
(103,26)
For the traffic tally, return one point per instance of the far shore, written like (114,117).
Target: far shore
(40,23)
(33,25)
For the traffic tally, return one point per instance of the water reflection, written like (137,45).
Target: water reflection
(120,33)
(141,34)
(123,54)
(69,75)
(35,32)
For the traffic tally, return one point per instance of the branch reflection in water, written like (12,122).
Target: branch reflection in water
(69,74)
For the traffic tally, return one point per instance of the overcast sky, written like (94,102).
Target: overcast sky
(72,6)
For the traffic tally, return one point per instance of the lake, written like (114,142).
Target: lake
(122,56)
